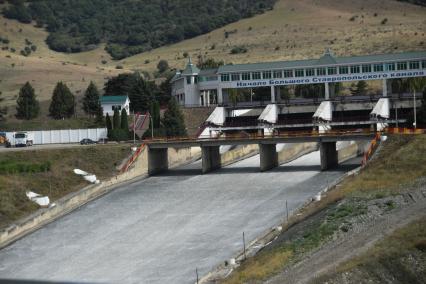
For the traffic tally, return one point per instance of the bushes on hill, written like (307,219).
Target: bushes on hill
(127,26)
(238,50)
(12,167)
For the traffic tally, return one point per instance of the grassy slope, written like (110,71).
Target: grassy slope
(388,174)
(59,181)
(302,29)
(397,258)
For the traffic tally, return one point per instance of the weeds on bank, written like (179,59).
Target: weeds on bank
(400,162)
(50,172)
(270,262)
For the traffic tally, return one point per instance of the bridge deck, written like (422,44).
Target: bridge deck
(297,137)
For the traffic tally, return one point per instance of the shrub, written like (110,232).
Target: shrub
(119,67)
(384,21)
(11,167)
(239,50)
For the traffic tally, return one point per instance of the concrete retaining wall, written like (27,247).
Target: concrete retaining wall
(240,153)
(291,152)
(140,170)
(351,150)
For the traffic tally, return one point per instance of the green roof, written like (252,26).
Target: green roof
(114,99)
(326,60)
(190,69)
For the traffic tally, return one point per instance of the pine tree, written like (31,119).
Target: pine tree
(108,122)
(91,103)
(100,116)
(124,121)
(360,89)
(173,120)
(62,105)
(27,105)
(421,117)
(3,109)
(116,119)
(155,112)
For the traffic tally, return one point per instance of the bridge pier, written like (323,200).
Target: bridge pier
(158,161)
(328,153)
(268,156)
(210,156)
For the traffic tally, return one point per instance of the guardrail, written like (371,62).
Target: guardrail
(373,147)
(293,134)
(132,159)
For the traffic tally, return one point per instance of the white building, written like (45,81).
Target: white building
(195,87)
(111,103)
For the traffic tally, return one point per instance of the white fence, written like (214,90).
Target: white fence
(63,136)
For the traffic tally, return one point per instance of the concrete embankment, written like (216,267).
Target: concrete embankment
(139,170)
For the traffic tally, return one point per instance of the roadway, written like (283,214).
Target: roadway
(160,229)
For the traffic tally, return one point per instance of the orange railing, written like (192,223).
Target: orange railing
(405,131)
(288,134)
(132,159)
(373,147)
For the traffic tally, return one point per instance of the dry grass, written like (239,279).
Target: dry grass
(59,181)
(400,162)
(388,259)
(301,29)
(261,267)
(400,241)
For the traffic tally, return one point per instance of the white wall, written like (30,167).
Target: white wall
(64,136)
(107,108)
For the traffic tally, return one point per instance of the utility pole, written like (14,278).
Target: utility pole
(152,126)
(286,209)
(244,246)
(415,111)
(134,128)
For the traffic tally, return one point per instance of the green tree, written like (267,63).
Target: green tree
(417,85)
(209,63)
(108,122)
(162,66)
(62,105)
(140,92)
(116,119)
(3,109)
(359,89)
(100,117)
(234,97)
(421,116)
(124,120)
(27,105)
(173,121)
(91,102)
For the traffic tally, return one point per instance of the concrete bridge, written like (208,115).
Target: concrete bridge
(158,154)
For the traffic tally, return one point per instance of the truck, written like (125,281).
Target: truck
(20,139)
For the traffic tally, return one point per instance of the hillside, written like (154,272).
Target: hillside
(293,30)
(364,230)
(129,27)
